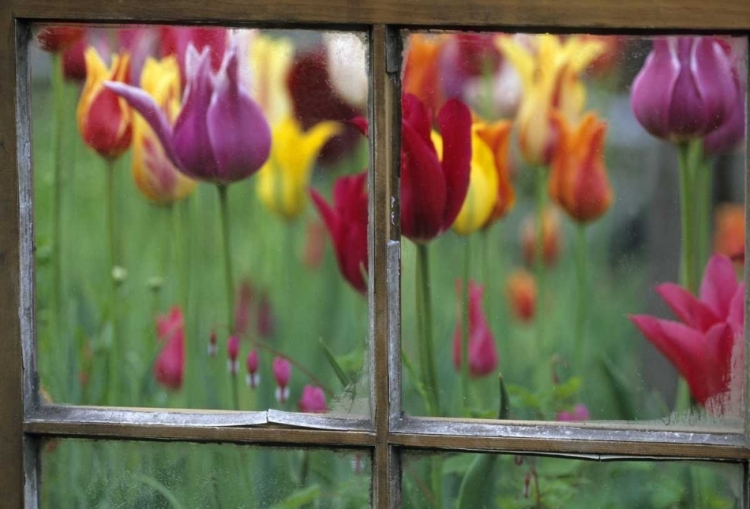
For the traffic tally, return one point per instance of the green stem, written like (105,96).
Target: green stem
(424,323)
(116,358)
(687,256)
(58,126)
(465,331)
(703,192)
(539,269)
(223,202)
(436,472)
(580,332)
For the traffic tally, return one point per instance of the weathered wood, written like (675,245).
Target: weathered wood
(540,14)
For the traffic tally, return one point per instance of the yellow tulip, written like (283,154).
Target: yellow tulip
(283,180)
(270,59)
(550,73)
(154,175)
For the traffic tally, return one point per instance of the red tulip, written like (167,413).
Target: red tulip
(483,356)
(74,61)
(58,38)
(169,367)
(433,186)
(707,347)
(347,223)
(175,41)
(313,400)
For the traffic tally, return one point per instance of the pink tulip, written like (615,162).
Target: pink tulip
(707,347)
(169,368)
(313,400)
(483,356)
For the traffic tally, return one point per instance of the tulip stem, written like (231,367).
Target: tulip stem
(57,90)
(115,358)
(580,332)
(465,331)
(541,198)
(424,325)
(703,195)
(228,279)
(687,258)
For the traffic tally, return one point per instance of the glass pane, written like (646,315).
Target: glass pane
(81,473)
(514,482)
(186,236)
(548,171)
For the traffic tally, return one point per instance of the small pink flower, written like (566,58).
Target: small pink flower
(483,356)
(253,378)
(282,371)
(233,351)
(169,368)
(579,413)
(313,400)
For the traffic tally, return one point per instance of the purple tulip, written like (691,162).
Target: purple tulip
(731,133)
(685,89)
(220,135)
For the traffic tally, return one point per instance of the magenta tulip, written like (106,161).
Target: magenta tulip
(483,356)
(169,368)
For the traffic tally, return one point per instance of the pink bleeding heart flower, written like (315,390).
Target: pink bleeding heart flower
(706,346)
(169,368)
(233,351)
(579,413)
(253,378)
(313,400)
(220,134)
(282,371)
(483,358)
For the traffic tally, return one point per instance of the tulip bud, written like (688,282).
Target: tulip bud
(313,400)
(520,290)
(685,89)
(551,235)
(233,350)
(253,378)
(282,371)
(212,344)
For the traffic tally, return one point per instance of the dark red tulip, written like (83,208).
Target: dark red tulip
(74,61)
(347,223)
(58,38)
(433,184)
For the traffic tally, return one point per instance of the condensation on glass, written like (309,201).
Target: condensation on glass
(82,473)
(590,189)
(200,208)
(521,481)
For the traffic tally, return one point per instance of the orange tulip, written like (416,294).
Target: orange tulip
(729,233)
(520,290)
(497,138)
(104,119)
(421,70)
(578,182)
(552,237)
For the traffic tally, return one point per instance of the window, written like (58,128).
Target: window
(411,454)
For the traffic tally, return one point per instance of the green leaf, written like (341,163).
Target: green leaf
(618,384)
(161,489)
(345,380)
(299,498)
(478,486)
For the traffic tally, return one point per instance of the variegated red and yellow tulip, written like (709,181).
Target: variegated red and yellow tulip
(154,174)
(578,182)
(104,119)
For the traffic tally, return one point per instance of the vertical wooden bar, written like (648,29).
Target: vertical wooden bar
(746,379)
(11,378)
(383,129)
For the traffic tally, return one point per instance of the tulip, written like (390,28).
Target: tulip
(483,356)
(579,413)
(578,182)
(421,69)
(729,233)
(283,180)
(154,174)
(433,186)
(74,61)
(313,400)
(176,41)
(169,367)
(685,89)
(282,371)
(270,59)
(731,133)
(104,120)
(550,72)
(55,39)
(233,351)
(315,100)
(520,290)
(707,346)
(551,234)
(253,378)
(347,224)
(466,56)
(220,134)
(490,195)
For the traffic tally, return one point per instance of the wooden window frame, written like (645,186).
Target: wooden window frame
(24,420)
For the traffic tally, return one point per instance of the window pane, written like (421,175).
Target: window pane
(82,473)
(139,290)
(548,172)
(493,480)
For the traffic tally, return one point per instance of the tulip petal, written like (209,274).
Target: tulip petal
(719,342)
(736,317)
(144,104)
(688,308)
(454,120)
(719,284)
(416,115)
(714,82)
(651,93)
(680,344)
(239,134)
